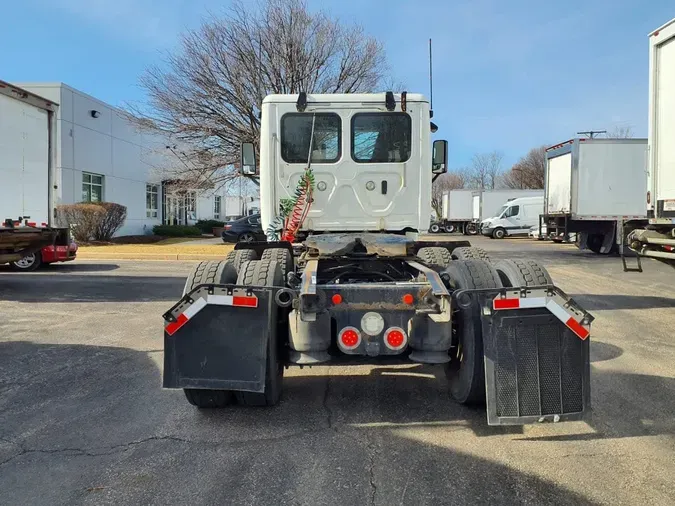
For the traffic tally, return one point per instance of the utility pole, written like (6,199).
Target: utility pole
(592,133)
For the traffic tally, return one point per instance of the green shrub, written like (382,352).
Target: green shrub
(96,221)
(207,226)
(176,231)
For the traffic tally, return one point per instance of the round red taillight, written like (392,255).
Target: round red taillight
(349,338)
(408,299)
(337,299)
(395,338)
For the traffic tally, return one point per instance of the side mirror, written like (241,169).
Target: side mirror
(439,164)
(248,165)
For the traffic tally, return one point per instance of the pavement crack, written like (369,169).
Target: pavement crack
(371,472)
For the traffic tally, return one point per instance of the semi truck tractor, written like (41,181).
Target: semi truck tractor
(595,188)
(345,183)
(27,175)
(657,238)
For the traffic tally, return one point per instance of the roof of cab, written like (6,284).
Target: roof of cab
(343,98)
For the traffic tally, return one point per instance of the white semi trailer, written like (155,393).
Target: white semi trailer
(27,174)
(595,188)
(456,213)
(345,183)
(657,238)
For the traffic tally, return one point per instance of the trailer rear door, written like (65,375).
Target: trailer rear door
(558,184)
(664,140)
(476,207)
(24,161)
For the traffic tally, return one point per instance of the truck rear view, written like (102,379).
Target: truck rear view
(657,239)
(347,182)
(27,161)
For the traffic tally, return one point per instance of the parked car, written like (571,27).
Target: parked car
(247,229)
(47,255)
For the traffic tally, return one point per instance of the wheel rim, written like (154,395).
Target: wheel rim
(246,238)
(499,234)
(26,262)
(435,228)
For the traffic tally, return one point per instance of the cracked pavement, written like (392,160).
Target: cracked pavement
(83,418)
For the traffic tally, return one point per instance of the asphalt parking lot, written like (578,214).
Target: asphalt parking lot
(83,419)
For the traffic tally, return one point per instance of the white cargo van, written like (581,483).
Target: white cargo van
(514,218)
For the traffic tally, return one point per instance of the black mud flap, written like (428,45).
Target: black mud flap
(536,351)
(216,337)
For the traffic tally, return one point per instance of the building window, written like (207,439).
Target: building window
(151,200)
(191,205)
(92,187)
(216,207)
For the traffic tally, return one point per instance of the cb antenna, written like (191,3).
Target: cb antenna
(431,84)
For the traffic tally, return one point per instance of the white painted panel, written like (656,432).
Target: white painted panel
(476,207)
(460,205)
(611,178)
(64,141)
(93,151)
(665,121)
(24,161)
(558,184)
(126,161)
(124,130)
(82,107)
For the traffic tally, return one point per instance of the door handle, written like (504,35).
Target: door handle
(384,187)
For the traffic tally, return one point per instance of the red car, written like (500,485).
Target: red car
(47,255)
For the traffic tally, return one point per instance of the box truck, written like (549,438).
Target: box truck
(27,174)
(595,188)
(456,212)
(657,238)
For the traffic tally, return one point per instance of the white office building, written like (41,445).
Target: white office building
(103,157)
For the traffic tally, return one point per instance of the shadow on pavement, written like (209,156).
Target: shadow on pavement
(85,288)
(81,267)
(86,424)
(601,352)
(592,302)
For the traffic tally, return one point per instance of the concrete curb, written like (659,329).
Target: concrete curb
(147,256)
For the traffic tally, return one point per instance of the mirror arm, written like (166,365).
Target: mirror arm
(433,179)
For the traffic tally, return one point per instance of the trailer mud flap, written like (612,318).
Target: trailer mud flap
(216,337)
(536,352)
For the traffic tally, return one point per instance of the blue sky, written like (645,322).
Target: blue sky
(508,75)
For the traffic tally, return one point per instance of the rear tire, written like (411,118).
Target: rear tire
(265,273)
(239,256)
(435,256)
(522,273)
(28,263)
(210,272)
(465,372)
(282,257)
(498,233)
(435,228)
(594,243)
(471,229)
(470,253)
(208,399)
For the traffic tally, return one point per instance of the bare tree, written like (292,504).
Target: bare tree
(451,181)
(208,95)
(621,132)
(484,170)
(529,171)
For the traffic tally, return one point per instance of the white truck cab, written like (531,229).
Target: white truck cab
(370,158)
(514,218)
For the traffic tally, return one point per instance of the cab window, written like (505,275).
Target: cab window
(381,137)
(512,211)
(296,131)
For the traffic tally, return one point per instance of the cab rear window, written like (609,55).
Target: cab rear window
(296,132)
(381,137)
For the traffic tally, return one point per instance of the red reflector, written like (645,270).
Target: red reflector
(408,299)
(245,301)
(395,338)
(577,328)
(507,303)
(349,338)
(172,327)
(337,299)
